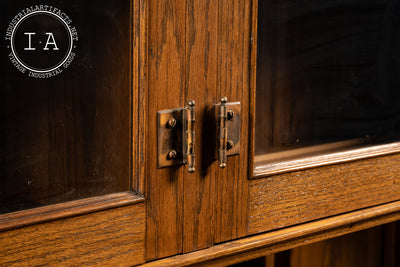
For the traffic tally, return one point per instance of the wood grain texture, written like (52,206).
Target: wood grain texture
(74,208)
(140,84)
(201,84)
(136,131)
(265,167)
(233,82)
(263,244)
(302,196)
(196,50)
(106,238)
(217,48)
(253,86)
(166,83)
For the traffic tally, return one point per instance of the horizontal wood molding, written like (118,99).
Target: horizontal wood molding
(68,209)
(263,168)
(276,241)
(105,238)
(293,198)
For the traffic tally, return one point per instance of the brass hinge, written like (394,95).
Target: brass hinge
(176,137)
(228,125)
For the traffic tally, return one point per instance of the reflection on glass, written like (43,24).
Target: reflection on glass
(328,76)
(65,137)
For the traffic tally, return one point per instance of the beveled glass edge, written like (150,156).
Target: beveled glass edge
(43,214)
(263,170)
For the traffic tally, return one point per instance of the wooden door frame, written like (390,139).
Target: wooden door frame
(110,227)
(127,210)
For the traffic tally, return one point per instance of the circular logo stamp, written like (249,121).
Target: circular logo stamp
(41,40)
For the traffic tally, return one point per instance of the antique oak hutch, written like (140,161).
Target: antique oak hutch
(200,132)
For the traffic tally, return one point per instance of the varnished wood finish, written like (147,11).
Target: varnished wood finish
(197,50)
(253,87)
(231,191)
(166,83)
(264,167)
(201,84)
(263,244)
(140,87)
(297,197)
(74,208)
(136,131)
(105,238)
(202,50)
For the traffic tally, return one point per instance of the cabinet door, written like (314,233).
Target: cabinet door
(319,121)
(66,133)
(197,50)
(65,102)
(324,96)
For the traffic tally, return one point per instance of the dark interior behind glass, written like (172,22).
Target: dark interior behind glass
(68,137)
(328,72)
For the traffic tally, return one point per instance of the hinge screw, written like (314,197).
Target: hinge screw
(230,115)
(172,155)
(171,122)
(229,144)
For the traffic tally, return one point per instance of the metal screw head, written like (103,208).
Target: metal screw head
(172,155)
(171,122)
(224,99)
(229,144)
(191,103)
(230,115)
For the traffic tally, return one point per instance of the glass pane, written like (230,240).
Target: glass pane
(64,101)
(328,76)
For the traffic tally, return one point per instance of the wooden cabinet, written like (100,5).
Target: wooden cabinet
(156,55)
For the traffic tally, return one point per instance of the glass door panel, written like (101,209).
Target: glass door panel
(328,77)
(64,101)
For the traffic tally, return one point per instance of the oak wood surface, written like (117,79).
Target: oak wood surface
(137,182)
(140,87)
(263,244)
(201,83)
(296,197)
(105,238)
(253,87)
(264,167)
(196,50)
(68,209)
(166,84)
(231,191)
